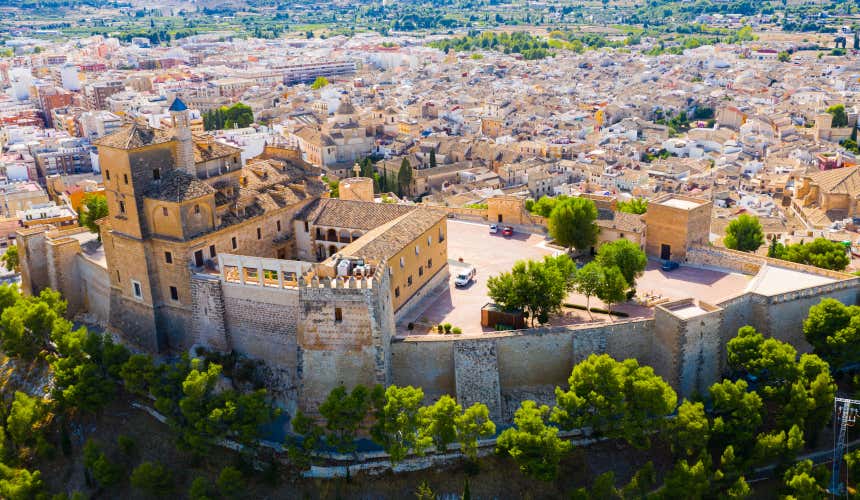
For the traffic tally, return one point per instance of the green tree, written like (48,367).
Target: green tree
(687,481)
(105,472)
(319,83)
(545,205)
(93,208)
(636,206)
(642,482)
(86,367)
(138,373)
(571,223)
(616,399)
(840,117)
(10,258)
(783,56)
(344,413)
(438,422)
(613,288)
(301,449)
(472,425)
(588,282)
(26,416)
(832,329)
(820,252)
(536,287)
(201,489)
(153,478)
(433,158)
(803,388)
(626,256)
(690,430)
(779,446)
(26,326)
(534,445)
(230,483)
(397,426)
(738,413)
(805,481)
(744,234)
(424,492)
(20,484)
(404,178)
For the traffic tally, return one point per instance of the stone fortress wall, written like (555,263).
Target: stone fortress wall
(684,342)
(314,334)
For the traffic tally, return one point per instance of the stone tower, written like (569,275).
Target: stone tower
(182,134)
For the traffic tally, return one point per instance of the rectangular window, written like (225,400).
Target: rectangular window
(338,314)
(125,178)
(122,207)
(118,280)
(233,243)
(397,292)
(156,174)
(307,229)
(164,211)
(212,252)
(429,263)
(196,209)
(420,270)
(198,258)
(136,289)
(168,257)
(409,280)
(259,233)
(278,225)
(174,293)
(107,175)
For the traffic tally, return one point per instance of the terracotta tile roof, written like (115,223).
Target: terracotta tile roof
(621,221)
(349,214)
(314,136)
(133,136)
(206,148)
(389,239)
(840,180)
(177,186)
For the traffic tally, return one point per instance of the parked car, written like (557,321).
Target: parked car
(465,276)
(494,229)
(507,231)
(669,265)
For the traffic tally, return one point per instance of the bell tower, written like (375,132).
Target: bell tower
(182,135)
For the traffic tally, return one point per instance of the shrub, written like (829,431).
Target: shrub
(447,327)
(126,445)
(456,330)
(230,482)
(152,478)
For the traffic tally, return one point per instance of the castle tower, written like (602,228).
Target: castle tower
(182,134)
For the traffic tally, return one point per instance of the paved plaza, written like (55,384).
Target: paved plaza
(492,254)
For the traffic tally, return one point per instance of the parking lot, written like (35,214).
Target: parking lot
(492,254)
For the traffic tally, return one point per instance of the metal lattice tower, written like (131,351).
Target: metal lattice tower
(845,412)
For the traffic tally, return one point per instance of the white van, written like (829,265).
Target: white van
(464,276)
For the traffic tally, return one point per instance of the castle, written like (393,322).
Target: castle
(200,250)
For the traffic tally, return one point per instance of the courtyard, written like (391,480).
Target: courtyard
(492,254)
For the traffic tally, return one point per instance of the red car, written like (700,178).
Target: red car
(507,231)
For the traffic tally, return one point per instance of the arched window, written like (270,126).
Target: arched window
(332,235)
(332,250)
(344,236)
